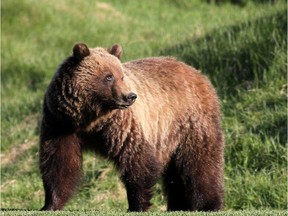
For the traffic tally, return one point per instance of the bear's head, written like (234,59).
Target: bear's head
(90,82)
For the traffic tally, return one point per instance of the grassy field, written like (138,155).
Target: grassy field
(243,50)
(112,213)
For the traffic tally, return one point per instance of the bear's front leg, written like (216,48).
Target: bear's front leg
(61,166)
(139,177)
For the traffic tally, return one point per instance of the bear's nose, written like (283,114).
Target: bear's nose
(131,97)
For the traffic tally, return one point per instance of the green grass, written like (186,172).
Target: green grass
(241,49)
(111,213)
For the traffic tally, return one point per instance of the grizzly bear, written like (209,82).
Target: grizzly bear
(153,117)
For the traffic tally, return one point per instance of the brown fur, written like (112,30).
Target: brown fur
(172,129)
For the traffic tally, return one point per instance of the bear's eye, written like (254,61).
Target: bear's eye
(109,78)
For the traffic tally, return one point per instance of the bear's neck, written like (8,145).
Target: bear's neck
(108,133)
(103,122)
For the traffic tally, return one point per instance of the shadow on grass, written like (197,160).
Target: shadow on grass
(15,209)
(237,56)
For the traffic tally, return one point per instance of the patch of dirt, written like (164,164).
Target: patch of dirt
(108,11)
(10,157)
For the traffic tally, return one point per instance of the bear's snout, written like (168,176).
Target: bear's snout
(130,98)
(125,101)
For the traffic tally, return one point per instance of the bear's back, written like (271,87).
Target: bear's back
(168,92)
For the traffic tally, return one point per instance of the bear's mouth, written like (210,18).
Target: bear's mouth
(123,106)
(125,101)
(119,104)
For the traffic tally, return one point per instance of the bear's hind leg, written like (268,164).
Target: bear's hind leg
(193,179)
(199,166)
(204,185)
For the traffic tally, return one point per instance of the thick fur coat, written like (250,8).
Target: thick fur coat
(152,117)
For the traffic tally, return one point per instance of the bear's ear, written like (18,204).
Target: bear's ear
(80,51)
(116,50)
